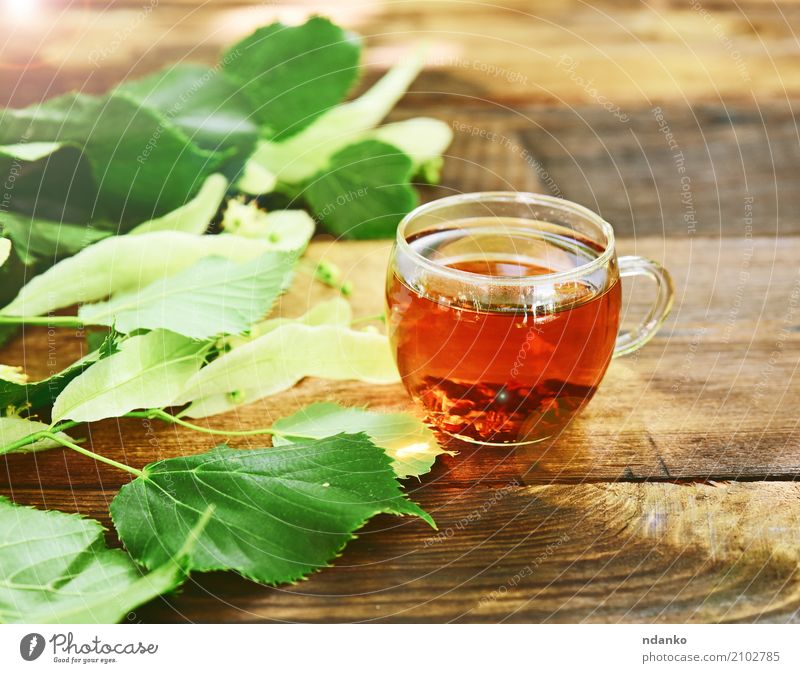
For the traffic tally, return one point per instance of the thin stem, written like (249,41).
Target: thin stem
(162,415)
(22,442)
(369,318)
(45,321)
(36,436)
(91,454)
(66,425)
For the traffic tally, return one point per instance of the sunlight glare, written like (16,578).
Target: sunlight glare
(19,10)
(412,449)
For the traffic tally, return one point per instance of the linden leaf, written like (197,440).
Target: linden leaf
(195,215)
(140,161)
(125,264)
(147,371)
(278,513)
(364,192)
(17,391)
(280,358)
(56,569)
(408,441)
(214,296)
(293,74)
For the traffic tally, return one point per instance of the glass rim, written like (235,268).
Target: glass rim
(509,197)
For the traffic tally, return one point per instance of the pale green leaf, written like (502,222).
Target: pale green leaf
(278,513)
(194,216)
(289,230)
(335,311)
(29,151)
(298,158)
(125,264)
(255,179)
(280,358)
(9,374)
(214,296)
(5,250)
(410,443)
(56,569)
(147,371)
(423,139)
(13,428)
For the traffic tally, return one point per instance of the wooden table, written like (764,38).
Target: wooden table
(673,497)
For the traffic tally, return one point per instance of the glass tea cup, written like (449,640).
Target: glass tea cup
(504,310)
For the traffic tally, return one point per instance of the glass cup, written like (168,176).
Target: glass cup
(504,310)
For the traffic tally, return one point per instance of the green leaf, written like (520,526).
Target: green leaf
(289,230)
(147,371)
(298,158)
(279,513)
(58,187)
(195,215)
(277,360)
(365,192)
(125,264)
(214,296)
(410,443)
(142,164)
(42,240)
(200,101)
(293,74)
(13,428)
(56,569)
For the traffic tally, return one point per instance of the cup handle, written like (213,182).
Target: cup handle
(634,339)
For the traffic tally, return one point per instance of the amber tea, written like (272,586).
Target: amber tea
(500,373)
(503,326)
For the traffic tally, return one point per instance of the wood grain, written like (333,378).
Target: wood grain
(673,170)
(501,51)
(646,553)
(685,411)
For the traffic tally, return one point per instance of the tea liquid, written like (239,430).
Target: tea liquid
(501,372)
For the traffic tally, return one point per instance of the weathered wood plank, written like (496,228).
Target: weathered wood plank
(676,170)
(723,171)
(649,553)
(508,51)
